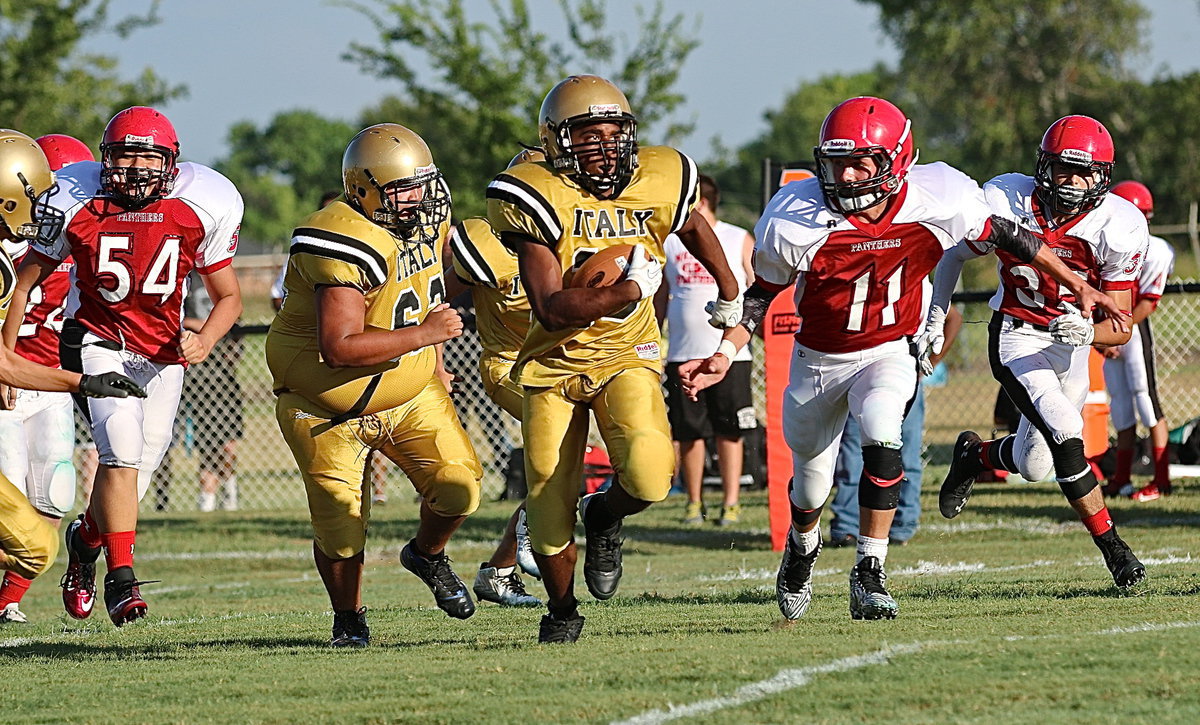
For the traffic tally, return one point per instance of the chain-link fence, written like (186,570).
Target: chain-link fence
(266,474)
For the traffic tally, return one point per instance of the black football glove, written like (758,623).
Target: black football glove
(109,385)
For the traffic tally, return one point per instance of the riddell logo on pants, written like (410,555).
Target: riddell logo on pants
(647,350)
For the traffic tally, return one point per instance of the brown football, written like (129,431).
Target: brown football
(604,268)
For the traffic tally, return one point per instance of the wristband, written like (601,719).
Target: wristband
(728,349)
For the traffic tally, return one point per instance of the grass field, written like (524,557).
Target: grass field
(1007,614)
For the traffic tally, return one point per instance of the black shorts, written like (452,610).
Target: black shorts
(726,409)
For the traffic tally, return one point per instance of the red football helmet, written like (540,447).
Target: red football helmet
(1081,142)
(61,150)
(1136,192)
(138,129)
(864,127)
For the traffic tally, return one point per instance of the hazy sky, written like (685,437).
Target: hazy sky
(249,59)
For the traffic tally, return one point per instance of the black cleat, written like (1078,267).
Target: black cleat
(123,597)
(448,590)
(1119,558)
(350,629)
(602,557)
(869,599)
(964,467)
(560,631)
(793,583)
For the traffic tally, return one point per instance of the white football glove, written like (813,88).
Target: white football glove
(724,314)
(932,340)
(645,271)
(1072,328)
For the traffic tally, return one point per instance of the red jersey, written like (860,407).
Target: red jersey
(1105,246)
(858,285)
(37,338)
(131,265)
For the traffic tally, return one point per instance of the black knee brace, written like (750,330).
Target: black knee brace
(883,470)
(802,517)
(1074,474)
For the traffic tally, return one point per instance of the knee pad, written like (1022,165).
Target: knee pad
(802,517)
(1075,476)
(1035,459)
(883,470)
(454,490)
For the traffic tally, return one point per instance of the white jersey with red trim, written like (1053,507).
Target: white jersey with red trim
(858,285)
(1105,246)
(131,265)
(1157,267)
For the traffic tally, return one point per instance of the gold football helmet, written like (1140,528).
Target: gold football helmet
(390,177)
(527,156)
(26,182)
(581,100)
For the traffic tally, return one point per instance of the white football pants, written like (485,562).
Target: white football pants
(37,443)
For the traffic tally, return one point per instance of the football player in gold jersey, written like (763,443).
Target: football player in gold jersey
(595,348)
(352,353)
(28,542)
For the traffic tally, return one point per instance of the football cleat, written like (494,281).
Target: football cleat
(525,558)
(506,590)
(448,590)
(1150,492)
(964,467)
(694,513)
(79,581)
(350,629)
(602,558)
(1113,489)
(12,614)
(1125,568)
(123,597)
(729,515)
(793,584)
(560,631)
(869,599)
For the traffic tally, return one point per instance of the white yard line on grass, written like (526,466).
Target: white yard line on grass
(792,679)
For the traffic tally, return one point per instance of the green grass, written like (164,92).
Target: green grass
(1007,614)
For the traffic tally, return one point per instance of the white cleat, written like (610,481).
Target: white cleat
(507,590)
(12,614)
(525,558)
(793,584)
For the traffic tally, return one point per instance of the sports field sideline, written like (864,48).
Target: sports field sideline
(1006,613)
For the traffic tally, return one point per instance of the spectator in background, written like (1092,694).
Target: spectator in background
(843,528)
(212,398)
(726,409)
(277,290)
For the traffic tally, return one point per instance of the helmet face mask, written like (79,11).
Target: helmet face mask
(137,157)
(1074,146)
(46,220)
(26,184)
(390,178)
(588,131)
(856,130)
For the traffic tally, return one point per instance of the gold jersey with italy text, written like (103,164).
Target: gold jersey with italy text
(502,314)
(8,281)
(401,281)
(533,201)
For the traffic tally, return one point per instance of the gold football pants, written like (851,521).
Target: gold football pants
(632,416)
(423,437)
(29,542)
(501,388)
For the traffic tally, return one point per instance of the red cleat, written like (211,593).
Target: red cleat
(79,582)
(122,597)
(1151,492)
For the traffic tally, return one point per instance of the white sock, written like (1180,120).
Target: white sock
(505,570)
(231,493)
(871,547)
(208,501)
(807,541)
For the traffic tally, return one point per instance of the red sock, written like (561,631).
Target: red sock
(118,549)
(13,588)
(985,449)
(89,532)
(1162,473)
(1099,522)
(1124,466)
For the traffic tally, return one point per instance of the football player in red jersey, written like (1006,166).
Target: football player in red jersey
(1129,369)
(1038,341)
(136,224)
(858,241)
(37,429)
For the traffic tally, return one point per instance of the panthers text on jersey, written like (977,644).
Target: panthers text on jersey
(502,314)
(37,339)
(534,202)
(858,285)
(401,281)
(1105,246)
(131,265)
